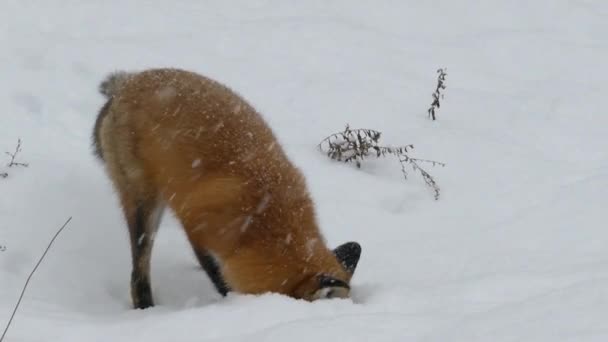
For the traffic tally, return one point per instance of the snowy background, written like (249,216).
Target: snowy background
(516,249)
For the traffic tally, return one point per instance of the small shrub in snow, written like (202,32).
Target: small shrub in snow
(437,93)
(13,156)
(354,145)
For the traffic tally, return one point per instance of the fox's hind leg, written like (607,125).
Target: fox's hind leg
(143,210)
(141,202)
(143,217)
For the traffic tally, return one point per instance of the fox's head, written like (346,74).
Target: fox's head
(325,274)
(333,283)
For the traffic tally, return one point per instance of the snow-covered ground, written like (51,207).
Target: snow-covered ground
(516,249)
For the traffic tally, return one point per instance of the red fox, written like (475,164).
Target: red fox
(170,137)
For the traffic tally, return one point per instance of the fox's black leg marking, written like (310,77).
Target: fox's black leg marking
(141,291)
(212,269)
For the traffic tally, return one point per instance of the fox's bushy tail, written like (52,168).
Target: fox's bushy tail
(111,85)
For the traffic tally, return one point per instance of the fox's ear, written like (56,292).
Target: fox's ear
(330,287)
(348,255)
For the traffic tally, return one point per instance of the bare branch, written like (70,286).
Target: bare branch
(14,155)
(434,162)
(428,179)
(30,277)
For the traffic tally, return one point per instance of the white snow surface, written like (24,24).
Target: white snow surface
(516,248)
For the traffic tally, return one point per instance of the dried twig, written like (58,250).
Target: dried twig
(437,93)
(14,155)
(428,179)
(30,277)
(354,145)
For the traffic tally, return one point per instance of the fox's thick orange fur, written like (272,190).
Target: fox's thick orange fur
(174,138)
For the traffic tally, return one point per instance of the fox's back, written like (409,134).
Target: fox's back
(194,123)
